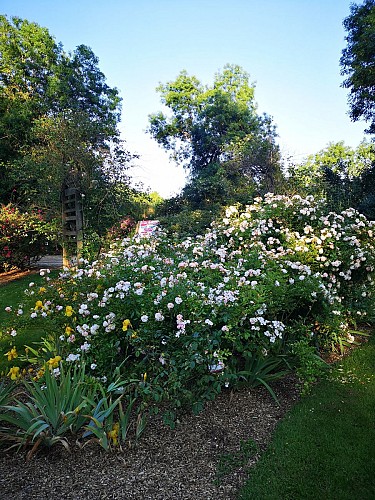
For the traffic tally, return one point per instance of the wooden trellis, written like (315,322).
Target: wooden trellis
(72,225)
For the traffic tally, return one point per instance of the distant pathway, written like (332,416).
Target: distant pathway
(46,262)
(49,262)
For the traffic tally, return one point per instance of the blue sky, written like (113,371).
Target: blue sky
(291,48)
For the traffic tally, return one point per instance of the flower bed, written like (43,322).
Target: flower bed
(179,320)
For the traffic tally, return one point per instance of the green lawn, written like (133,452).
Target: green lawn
(11,294)
(325,447)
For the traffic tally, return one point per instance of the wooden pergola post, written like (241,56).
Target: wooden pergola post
(72,218)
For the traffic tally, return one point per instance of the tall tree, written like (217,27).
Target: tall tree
(358,62)
(58,117)
(218,125)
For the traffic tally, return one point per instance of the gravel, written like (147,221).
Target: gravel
(164,464)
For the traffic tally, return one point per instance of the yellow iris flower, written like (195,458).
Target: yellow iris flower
(12,354)
(39,374)
(68,330)
(125,324)
(38,305)
(14,373)
(113,434)
(68,311)
(53,362)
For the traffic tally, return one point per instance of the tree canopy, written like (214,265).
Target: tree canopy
(59,128)
(214,124)
(358,62)
(341,174)
(58,117)
(215,132)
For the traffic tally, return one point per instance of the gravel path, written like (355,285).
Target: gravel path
(166,464)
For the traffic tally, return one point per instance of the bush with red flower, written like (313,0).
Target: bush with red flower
(122,229)
(24,237)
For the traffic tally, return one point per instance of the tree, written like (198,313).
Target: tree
(338,172)
(215,132)
(358,62)
(59,129)
(58,117)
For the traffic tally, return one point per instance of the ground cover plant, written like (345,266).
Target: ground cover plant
(262,292)
(323,448)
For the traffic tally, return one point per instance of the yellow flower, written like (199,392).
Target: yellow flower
(38,305)
(144,377)
(68,330)
(39,374)
(125,324)
(134,335)
(68,311)
(42,289)
(12,354)
(14,372)
(53,362)
(113,434)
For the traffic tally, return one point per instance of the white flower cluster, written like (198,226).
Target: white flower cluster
(232,279)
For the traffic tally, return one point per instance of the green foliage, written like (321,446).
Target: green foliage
(257,369)
(310,365)
(367,203)
(339,174)
(24,237)
(217,135)
(108,431)
(92,245)
(6,390)
(185,221)
(50,411)
(96,424)
(65,402)
(357,62)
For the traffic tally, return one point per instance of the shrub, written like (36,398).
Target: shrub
(24,237)
(121,229)
(185,318)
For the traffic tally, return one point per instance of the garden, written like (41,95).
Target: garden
(227,354)
(161,327)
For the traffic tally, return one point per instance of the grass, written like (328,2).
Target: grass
(11,294)
(325,447)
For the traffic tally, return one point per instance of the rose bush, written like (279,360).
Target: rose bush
(186,318)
